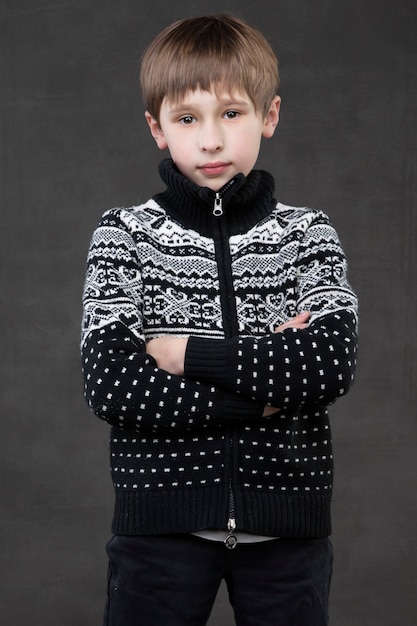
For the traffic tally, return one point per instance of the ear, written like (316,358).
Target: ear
(272,118)
(156,131)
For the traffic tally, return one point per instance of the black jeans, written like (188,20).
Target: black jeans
(173,581)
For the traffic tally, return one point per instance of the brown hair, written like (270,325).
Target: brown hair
(209,52)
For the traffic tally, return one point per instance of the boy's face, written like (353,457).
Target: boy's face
(212,137)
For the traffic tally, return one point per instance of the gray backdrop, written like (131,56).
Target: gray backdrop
(74,143)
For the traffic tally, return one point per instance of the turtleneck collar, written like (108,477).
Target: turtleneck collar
(245,200)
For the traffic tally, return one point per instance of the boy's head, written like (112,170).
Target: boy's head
(209,53)
(209,86)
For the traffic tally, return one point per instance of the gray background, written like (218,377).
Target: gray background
(74,143)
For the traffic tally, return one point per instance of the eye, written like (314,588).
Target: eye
(187,119)
(231,115)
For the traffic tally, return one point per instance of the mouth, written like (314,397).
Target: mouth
(214,169)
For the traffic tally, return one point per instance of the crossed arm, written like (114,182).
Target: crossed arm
(169,351)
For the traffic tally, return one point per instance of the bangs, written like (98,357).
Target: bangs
(208,75)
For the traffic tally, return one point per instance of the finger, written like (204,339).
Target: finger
(300,321)
(303,316)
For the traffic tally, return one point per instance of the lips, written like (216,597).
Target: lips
(214,169)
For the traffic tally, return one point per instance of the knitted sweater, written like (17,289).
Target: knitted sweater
(225,269)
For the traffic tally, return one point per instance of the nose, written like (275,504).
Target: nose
(211,139)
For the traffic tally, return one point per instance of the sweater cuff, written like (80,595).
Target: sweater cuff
(205,360)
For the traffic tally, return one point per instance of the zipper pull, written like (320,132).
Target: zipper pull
(231,539)
(218,205)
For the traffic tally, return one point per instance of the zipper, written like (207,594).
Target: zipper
(231,539)
(218,205)
(218,198)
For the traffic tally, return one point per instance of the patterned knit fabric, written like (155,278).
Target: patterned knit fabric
(187,453)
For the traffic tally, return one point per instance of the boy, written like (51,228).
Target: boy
(218,324)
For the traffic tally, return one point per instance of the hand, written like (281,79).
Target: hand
(169,353)
(269,410)
(299,321)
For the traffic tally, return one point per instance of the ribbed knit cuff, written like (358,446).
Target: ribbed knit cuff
(205,360)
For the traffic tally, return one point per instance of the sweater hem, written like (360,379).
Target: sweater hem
(171,512)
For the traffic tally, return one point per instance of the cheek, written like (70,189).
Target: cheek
(181,153)
(249,144)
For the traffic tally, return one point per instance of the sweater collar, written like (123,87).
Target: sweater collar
(245,200)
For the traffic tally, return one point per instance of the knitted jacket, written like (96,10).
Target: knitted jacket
(225,269)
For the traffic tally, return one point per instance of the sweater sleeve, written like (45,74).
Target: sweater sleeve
(293,367)
(122,384)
